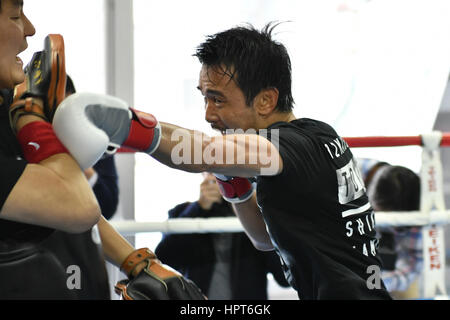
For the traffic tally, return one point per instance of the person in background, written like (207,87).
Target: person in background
(396,188)
(226,266)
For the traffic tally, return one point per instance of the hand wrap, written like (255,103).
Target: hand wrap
(38,141)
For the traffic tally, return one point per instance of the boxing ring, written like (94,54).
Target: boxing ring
(431,217)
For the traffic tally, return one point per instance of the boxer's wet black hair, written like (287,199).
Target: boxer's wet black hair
(253,59)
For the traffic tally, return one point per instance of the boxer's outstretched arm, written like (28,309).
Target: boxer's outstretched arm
(103,120)
(87,123)
(244,155)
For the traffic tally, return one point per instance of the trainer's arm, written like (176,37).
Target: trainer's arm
(243,155)
(53,193)
(115,247)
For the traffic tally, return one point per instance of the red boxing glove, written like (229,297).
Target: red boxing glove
(38,141)
(144,132)
(234,189)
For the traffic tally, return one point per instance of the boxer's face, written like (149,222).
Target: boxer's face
(14,28)
(225,106)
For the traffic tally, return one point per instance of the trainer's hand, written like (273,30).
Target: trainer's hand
(209,192)
(154,281)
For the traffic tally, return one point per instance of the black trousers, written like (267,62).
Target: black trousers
(32,273)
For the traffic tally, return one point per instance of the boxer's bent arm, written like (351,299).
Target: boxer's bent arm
(55,194)
(243,155)
(251,219)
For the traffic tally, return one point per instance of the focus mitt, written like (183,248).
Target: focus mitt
(154,281)
(45,79)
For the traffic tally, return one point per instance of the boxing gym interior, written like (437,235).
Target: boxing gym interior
(374,70)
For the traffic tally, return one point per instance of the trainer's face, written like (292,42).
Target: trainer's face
(224,101)
(14,28)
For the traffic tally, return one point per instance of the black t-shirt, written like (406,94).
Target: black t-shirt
(318,214)
(13,234)
(25,248)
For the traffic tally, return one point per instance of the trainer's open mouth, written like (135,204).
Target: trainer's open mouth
(222,130)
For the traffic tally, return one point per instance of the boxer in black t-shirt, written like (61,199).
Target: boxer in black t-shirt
(318,214)
(311,204)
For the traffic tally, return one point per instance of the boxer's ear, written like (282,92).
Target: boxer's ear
(266,101)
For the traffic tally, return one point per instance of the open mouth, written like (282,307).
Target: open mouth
(19,61)
(221,130)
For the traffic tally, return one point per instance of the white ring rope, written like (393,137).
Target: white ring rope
(411,218)
(180,225)
(232,224)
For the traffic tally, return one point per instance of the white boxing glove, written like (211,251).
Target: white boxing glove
(89,124)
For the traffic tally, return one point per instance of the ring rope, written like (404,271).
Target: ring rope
(232,224)
(370,141)
(392,141)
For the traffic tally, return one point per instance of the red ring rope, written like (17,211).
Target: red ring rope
(393,141)
(374,141)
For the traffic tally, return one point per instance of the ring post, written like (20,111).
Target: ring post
(432,197)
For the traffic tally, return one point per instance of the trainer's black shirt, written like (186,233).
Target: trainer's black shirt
(318,214)
(34,260)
